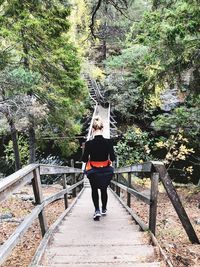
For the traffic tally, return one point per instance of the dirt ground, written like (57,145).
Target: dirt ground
(18,208)
(169,232)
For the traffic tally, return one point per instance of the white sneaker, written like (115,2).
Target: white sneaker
(97,215)
(103,212)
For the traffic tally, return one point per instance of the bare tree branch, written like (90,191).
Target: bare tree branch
(93,17)
(120,5)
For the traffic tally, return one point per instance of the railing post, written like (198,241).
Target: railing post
(153,202)
(118,188)
(37,189)
(117,178)
(114,177)
(73,179)
(128,194)
(175,200)
(65,195)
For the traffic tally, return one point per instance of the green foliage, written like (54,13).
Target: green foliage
(35,36)
(125,80)
(127,59)
(176,149)
(171,33)
(23,150)
(134,147)
(185,117)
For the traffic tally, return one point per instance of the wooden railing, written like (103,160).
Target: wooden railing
(156,170)
(31,174)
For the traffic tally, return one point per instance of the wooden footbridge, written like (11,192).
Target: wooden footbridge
(75,240)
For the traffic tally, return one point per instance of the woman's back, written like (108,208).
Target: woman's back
(99,149)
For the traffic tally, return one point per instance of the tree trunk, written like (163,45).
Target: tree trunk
(31,130)
(32,142)
(104,47)
(104,50)
(13,135)
(15,144)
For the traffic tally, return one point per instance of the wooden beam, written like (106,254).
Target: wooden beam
(37,189)
(50,169)
(66,194)
(128,194)
(143,167)
(162,252)
(143,226)
(175,200)
(43,244)
(133,192)
(55,197)
(61,193)
(153,202)
(117,185)
(13,240)
(73,179)
(75,185)
(13,182)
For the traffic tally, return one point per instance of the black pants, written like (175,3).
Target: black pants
(100,180)
(95,197)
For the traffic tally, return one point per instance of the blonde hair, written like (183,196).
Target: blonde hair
(97,123)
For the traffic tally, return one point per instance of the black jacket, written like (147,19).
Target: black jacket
(98,149)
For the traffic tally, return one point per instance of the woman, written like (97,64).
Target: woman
(98,154)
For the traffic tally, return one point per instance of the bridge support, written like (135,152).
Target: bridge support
(128,194)
(173,196)
(37,189)
(153,202)
(65,195)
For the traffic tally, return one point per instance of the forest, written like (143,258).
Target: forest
(144,53)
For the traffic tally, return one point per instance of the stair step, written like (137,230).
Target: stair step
(61,241)
(135,264)
(60,255)
(103,251)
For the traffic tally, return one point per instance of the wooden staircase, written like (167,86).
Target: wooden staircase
(114,241)
(75,239)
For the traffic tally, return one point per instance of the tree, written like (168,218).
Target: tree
(161,52)
(16,105)
(37,31)
(134,147)
(171,33)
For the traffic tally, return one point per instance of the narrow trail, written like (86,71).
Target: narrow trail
(115,240)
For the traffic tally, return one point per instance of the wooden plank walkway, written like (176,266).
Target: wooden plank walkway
(104,114)
(114,241)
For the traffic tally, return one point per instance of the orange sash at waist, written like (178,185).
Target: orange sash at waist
(97,164)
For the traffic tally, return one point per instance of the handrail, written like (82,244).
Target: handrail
(31,173)
(54,169)
(133,192)
(158,171)
(97,90)
(140,167)
(43,244)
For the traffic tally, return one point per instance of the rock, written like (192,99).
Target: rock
(197,221)
(26,198)
(170,99)
(13,220)
(6,216)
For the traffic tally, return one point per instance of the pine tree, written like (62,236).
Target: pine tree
(37,31)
